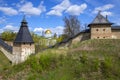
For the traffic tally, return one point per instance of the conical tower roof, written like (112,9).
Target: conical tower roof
(23,35)
(100,19)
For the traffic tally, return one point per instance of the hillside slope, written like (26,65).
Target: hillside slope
(88,60)
(4,62)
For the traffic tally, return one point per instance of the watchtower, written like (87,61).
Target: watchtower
(100,28)
(23,44)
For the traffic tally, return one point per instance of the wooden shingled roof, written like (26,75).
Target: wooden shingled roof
(100,19)
(23,36)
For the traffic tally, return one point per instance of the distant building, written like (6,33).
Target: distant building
(99,28)
(48,39)
(23,45)
(48,34)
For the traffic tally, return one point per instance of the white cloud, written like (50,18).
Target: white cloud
(104,13)
(11,28)
(38,29)
(117,21)
(1,30)
(2,19)
(22,1)
(104,9)
(58,9)
(8,10)
(66,6)
(58,30)
(3,3)
(76,9)
(29,9)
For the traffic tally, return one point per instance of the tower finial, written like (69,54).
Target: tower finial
(24,20)
(106,17)
(99,11)
(24,17)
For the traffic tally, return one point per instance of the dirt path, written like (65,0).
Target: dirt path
(0,77)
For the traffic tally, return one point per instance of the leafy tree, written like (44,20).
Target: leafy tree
(55,35)
(36,38)
(61,38)
(72,26)
(8,35)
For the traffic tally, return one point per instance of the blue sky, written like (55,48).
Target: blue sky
(49,14)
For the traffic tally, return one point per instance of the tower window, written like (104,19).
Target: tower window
(97,30)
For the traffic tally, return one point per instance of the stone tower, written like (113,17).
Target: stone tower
(100,28)
(23,44)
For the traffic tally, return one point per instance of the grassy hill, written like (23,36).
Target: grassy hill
(4,62)
(88,60)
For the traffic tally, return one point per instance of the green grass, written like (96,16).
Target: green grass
(4,62)
(89,60)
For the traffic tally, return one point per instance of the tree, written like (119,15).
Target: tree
(61,38)
(55,35)
(36,38)
(8,35)
(72,26)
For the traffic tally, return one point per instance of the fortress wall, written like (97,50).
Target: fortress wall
(116,34)
(28,48)
(16,53)
(101,36)
(9,43)
(81,37)
(7,54)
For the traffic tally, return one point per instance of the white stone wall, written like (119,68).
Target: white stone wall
(9,43)
(27,50)
(115,34)
(101,32)
(16,53)
(81,37)
(22,51)
(7,54)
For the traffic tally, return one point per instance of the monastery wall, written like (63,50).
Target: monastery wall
(81,37)
(7,54)
(116,34)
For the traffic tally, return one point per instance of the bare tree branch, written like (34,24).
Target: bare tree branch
(72,26)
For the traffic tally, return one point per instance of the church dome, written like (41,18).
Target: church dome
(48,32)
